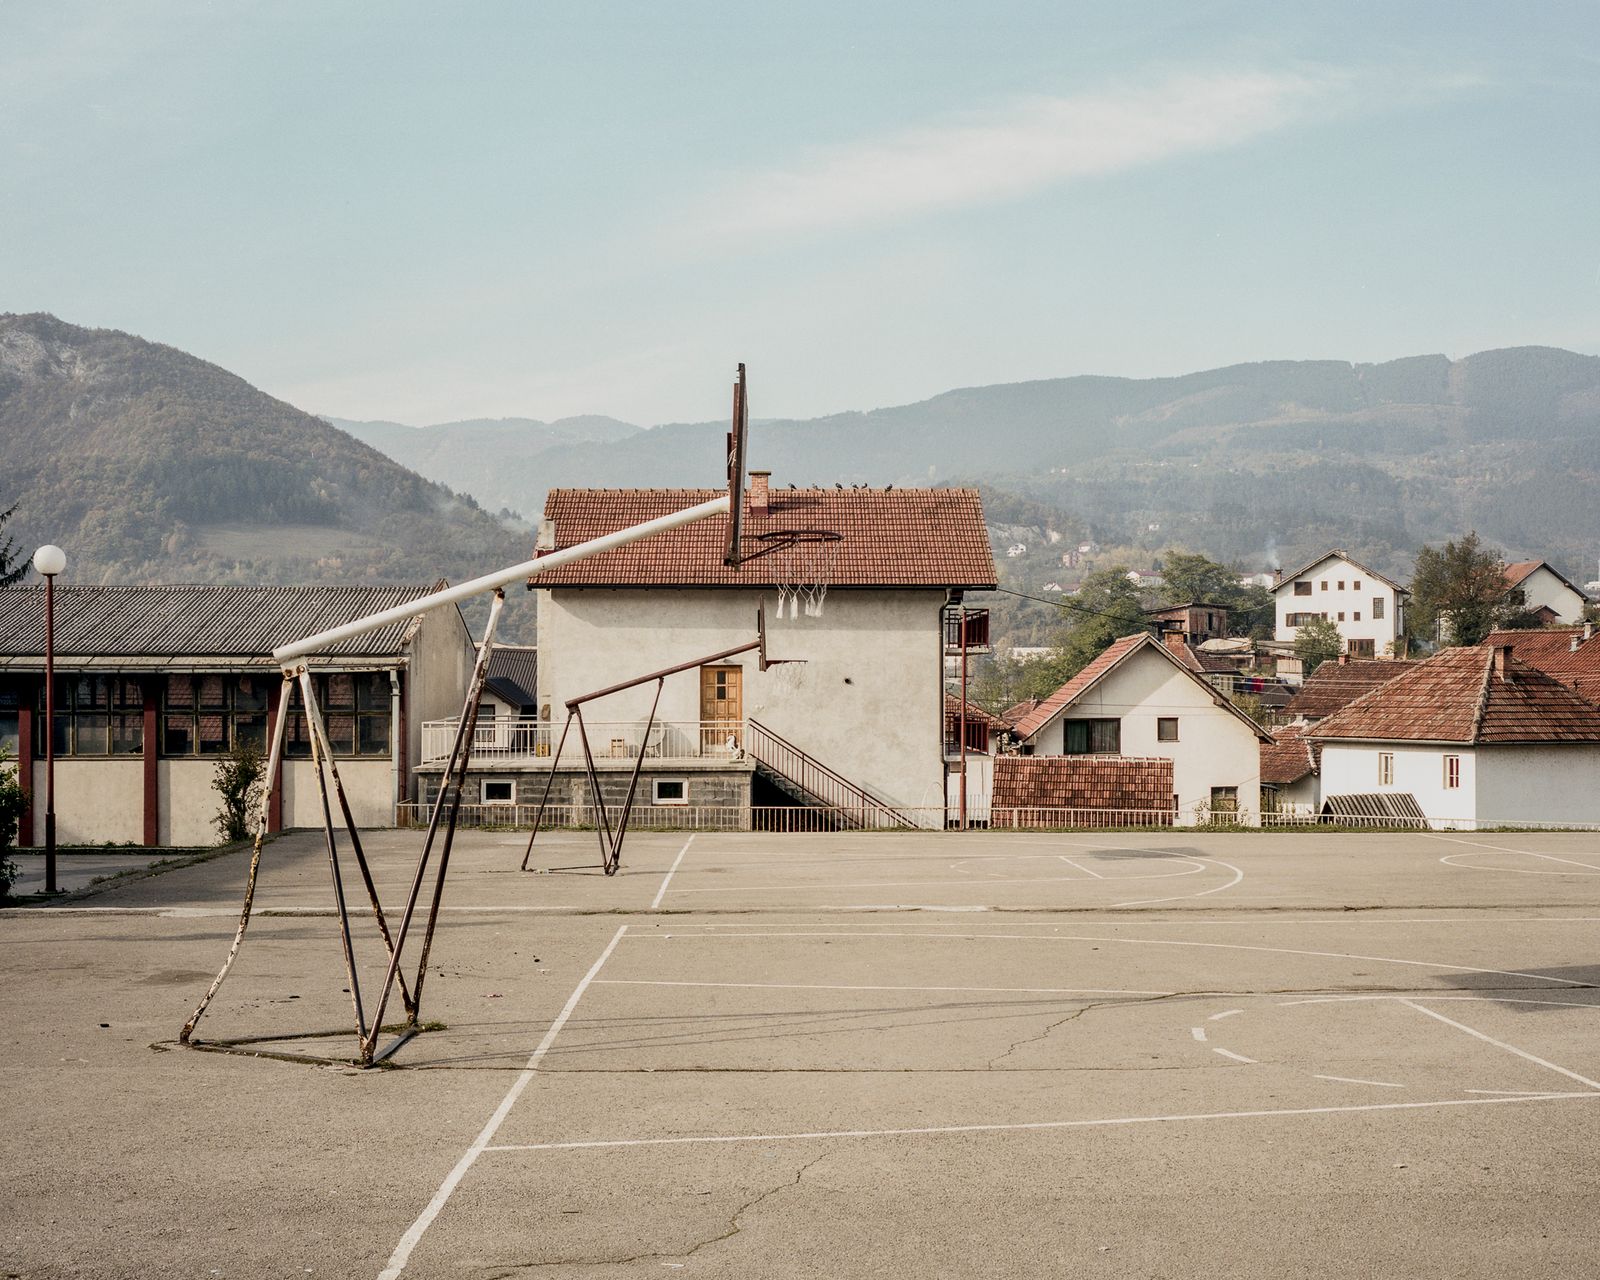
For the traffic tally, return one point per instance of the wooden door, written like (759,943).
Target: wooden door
(721,709)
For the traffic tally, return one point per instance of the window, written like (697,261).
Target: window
(1452,773)
(499,791)
(1341,615)
(1300,619)
(10,721)
(1356,585)
(1166,728)
(1341,584)
(209,715)
(1386,768)
(1324,584)
(355,712)
(1361,648)
(1093,737)
(1356,616)
(669,791)
(1377,608)
(1302,588)
(95,716)
(1224,800)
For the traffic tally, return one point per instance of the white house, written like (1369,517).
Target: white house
(1140,699)
(155,684)
(1545,592)
(1477,737)
(1290,773)
(851,710)
(1366,607)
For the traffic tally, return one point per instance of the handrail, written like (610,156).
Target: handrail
(847,796)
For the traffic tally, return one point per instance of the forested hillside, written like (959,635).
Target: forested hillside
(147,464)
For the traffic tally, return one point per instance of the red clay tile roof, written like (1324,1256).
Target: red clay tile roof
(1012,714)
(1459,697)
(1334,685)
(975,713)
(1109,658)
(1550,649)
(1289,757)
(1515,573)
(890,538)
(1343,555)
(1077,782)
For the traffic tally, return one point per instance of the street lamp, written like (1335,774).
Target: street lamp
(49,560)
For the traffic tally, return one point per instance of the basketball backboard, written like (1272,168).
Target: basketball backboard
(738,436)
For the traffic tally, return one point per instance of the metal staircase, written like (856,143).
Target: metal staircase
(809,782)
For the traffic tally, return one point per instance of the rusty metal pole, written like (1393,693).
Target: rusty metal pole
(549,782)
(50,733)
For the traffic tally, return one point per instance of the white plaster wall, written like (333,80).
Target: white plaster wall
(440,661)
(97,801)
(1352,768)
(1349,601)
(188,808)
(1214,747)
(1543,588)
(366,786)
(1558,783)
(1303,796)
(867,701)
(980,788)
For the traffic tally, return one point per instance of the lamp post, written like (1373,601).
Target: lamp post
(49,560)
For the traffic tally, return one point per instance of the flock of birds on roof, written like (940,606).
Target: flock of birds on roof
(837,485)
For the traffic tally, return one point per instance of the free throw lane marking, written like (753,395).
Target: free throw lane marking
(1226,1013)
(1087,870)
(1501,1044)
(1500,848)
(1237,1057)
(1382,1084)
(414,1233)
(662,891)
(830,986)
(1031,1126)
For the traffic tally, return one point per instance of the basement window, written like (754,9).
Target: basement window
(499,791)
(669,791)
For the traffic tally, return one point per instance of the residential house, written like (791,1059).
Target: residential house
(1140,699)
(1570,654)
(1367,608)
(1544,592)
(1290,773)
(849,714)
(1475,736)
(155,684)
(1195,621)
(1338,683)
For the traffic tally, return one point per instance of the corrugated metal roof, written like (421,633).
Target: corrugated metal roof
(887,538)
(176,621)
(1397,807)
(518,664)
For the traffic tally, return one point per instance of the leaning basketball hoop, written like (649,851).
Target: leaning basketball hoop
(802,562)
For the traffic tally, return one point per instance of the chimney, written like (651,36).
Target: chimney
(1576,640)
(760,493)
(1588,631)
(1502,661)
(1344,658)
(1173,640)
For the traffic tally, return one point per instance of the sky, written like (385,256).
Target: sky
(425,212)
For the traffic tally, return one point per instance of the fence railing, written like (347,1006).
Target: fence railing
(524,739)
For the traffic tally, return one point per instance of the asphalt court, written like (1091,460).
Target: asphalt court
(1159,1053)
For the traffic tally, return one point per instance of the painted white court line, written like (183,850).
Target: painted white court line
(1238,875)
(1381,1084)
(828,986)
(1199,1033)
(1431,998)
(1029,1126)
(1500,848)
(1508,1093)
(1068,937)
(1501,1044)
(414,1233)
(831,886)
(662,891)
(1086,870)
(1226,1013)
(1237,1057)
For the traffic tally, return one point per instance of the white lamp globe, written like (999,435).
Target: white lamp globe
(50,560)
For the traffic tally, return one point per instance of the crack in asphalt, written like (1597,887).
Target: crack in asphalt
(734,1227)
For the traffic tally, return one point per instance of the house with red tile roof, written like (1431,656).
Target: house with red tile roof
(1139,698)
(1545,592)
(1290,770)
(854,695)
(1570,654)
(1478,737)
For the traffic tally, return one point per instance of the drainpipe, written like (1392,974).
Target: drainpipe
(397,730)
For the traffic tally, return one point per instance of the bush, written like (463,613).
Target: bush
(12,803)
(239,778)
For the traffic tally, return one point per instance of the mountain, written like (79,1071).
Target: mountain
(498,460)
(1255,462)
(147,464)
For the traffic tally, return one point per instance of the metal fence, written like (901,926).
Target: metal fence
(526,739)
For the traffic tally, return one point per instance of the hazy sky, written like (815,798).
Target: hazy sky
(424,211)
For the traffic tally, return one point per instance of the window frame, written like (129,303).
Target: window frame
(1306,584)
(1377,608)
(1162,723)
(511,791)
(1386,768)
(121,713)
(656,797)
(1095,729)
(1452,773)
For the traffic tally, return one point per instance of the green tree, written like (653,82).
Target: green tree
(1317,642)
(1106,608)
(1190,576)
(13,565)
(239,778)
(1458,592)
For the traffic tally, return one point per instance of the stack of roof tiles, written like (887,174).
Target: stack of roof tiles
(1072,791)
(888,538)
(1570,654)
(1480,695)
(1335,685)
(1289,757)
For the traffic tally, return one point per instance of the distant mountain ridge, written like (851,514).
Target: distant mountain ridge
(149,465)
(1296,455)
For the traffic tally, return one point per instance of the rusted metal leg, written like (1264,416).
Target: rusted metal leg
(319,752)
(460,753)
(549,782)
(633,784)
(274,758)
(602,819)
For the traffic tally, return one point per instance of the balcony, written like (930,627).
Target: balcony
(525,741)
(975,622)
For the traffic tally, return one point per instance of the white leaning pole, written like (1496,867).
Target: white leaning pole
(291,658)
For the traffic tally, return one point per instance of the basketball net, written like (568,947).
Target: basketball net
(802,563)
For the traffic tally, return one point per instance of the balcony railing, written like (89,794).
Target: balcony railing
(975,622)
(526,740)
